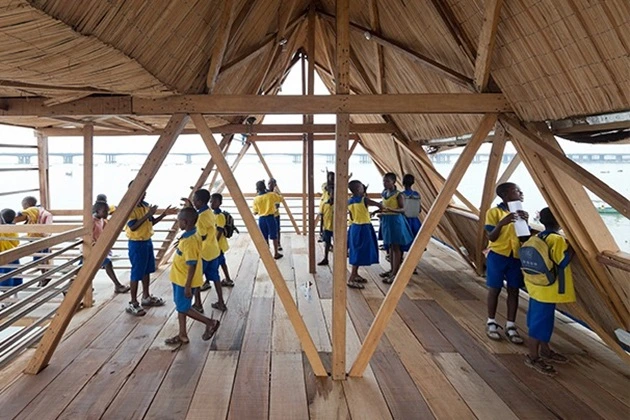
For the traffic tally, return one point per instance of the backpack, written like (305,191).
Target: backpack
(44,218)
(536,263)
(412,206)
(229,227)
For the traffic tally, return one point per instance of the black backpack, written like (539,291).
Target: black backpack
(229,227)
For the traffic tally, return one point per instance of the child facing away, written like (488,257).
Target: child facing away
(409,194)
(327,212)
(103,197)
(186,276)
(272,186)
(265,207)
(394,226)
(330,183)
(34,214)
(7,216)
(543,299)
(139,230)
(215,203)
(100,211)
(503,261)
(207,229)
(362,242)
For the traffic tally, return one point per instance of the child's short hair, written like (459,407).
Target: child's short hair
(102,197)
(408,180)
(8,215)
(30,201)
(217,196)
(502,189)
(391,176)
(354,184)
(202,195)
(188,213)
(547,218)
(260,186)
(100,205)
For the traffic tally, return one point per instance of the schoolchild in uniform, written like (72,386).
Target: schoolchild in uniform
(7,216)
(215,203)
(272,186)
(265,207)
(327,211)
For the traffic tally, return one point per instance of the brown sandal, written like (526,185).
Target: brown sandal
(209,332)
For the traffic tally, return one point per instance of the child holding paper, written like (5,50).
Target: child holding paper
(503,261)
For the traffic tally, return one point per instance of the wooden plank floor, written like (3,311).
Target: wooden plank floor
(433,361)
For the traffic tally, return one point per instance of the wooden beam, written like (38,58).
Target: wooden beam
(88,193)
(409,103)
(7,257)
(262,247)
(54,228)
(485,47)
(489,187)
(620,260)
(310,138)
(270,175)
(90,266)
(426,62)
(459,36)
(237,160)
(220,44)
(354,146)
(509,171)
(42,167)
(412,259)
(375,24)
(558,159)
(300,128)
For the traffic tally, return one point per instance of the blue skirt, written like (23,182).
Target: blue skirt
(396,230)
(414,225)
(362,245)
(14,281)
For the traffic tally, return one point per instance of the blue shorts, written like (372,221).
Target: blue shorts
(327,236)
(540,319)
(501,268)
(268,227)
(211,269)
(221,259)
(43,251)
(141,258)
(182,303)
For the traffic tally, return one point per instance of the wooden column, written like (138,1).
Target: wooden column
(486,43)
(305,211)
(262,247)
(432,220)
(509,171)
(310,145)
(42,164)
(88,193)
(342,86)
(62,318)
(489,187)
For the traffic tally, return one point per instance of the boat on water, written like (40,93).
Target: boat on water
(603,208)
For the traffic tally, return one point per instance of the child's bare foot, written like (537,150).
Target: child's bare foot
(210,330)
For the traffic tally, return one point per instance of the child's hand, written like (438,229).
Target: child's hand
(187,202)
(523,214)
(170,210)
(187,292)
(507,219)
(152,210)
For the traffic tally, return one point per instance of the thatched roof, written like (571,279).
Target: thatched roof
(552,59)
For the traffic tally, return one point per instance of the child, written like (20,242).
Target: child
(139,231)
(503,262)
(207,229)
(215,203)
(103,198)
(100,211)
(543,299)
(186,275)
(272,186)
(7,216)
(330,183)
(265,207)
(409,194)
(396,231)
(362,243)
(327,211)
(33,214)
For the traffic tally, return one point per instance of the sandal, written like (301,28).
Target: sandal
(209,332)
(121,289)
(277,256)
(219,307)
(135,309)
(198,308)
(152,301)
(493,333)
(227,283)
(323,262)
(385,274)
(540,365)
(388,280)
(513,336)
(176,341)
(555,357)
(205,286)
(360,279)
(354,285)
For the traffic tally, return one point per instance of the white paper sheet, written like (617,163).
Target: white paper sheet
(520,225)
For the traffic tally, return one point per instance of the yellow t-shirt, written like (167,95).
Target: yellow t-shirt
(223,242)
(325,197)
(558,251)
(327,214)
(507,243)
(112,209)
(145,231)
(187,253)
(207,228)
(32,218)
(359,214)
(265,204)
(7,244)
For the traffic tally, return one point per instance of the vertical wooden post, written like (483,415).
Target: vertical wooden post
(42,164)
(262,247)
(62,318)
(305,212)
(432,220)
(88,193)
(310,143)
(496,154)
(342,86)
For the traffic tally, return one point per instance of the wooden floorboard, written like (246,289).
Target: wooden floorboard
(287,378)
(325,398)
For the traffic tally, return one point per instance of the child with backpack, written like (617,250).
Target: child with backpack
(34,214)
(7,216)
(225,230)
(546,260)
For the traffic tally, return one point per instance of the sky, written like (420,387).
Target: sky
(192,143)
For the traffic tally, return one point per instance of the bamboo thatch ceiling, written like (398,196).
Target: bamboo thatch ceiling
(553,59)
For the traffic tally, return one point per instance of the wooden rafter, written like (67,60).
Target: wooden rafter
(220,44)
(458,35)
(375,24)
(486,43)
(509,171)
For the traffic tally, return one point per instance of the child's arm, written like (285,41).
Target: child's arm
(166,212)
(493,235)
(138,222)
(370,202)
(20,218)
(189,278)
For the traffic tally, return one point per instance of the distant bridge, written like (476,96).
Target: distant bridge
(111,157)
